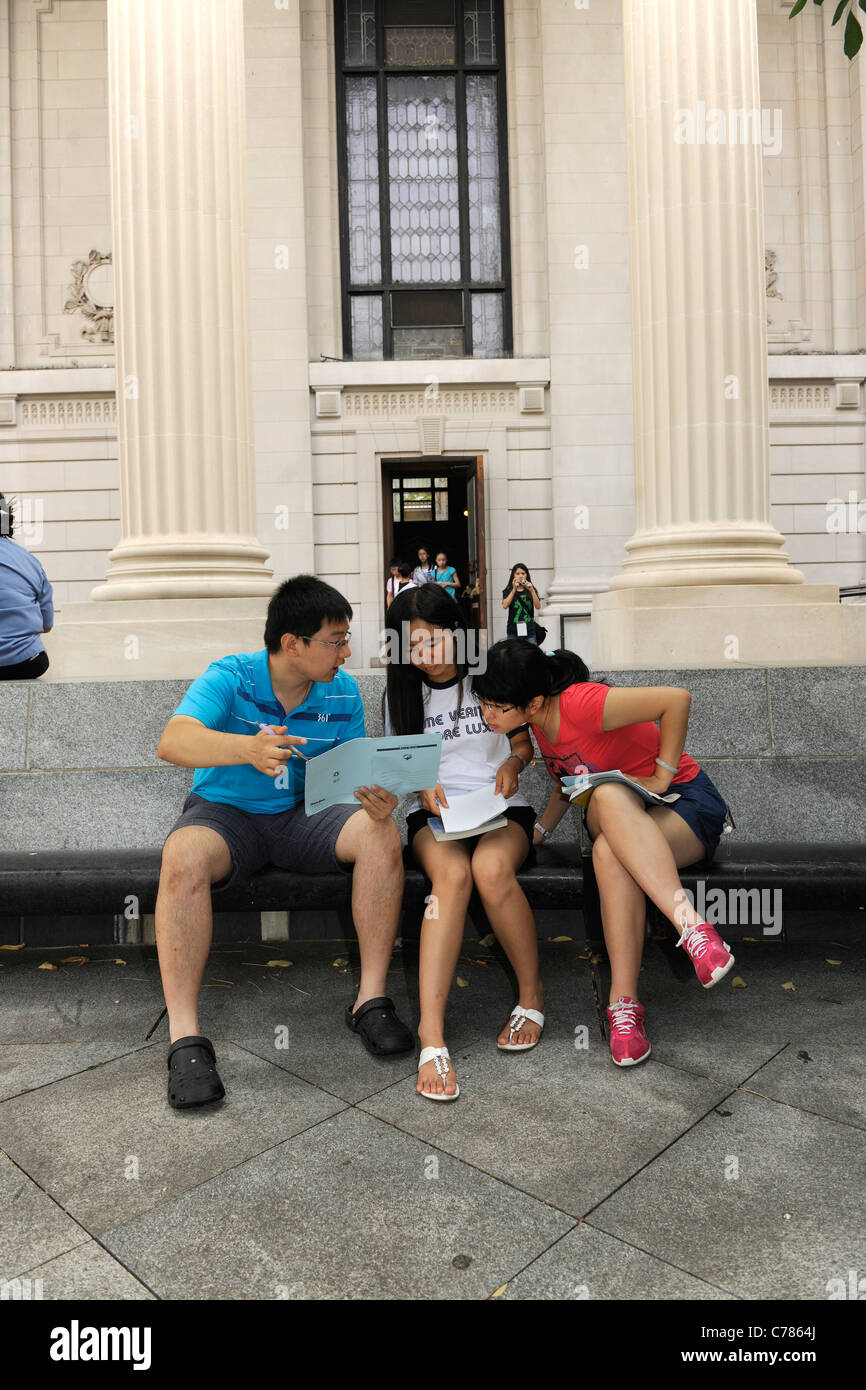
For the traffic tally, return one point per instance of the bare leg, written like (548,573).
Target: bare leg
(447,866)
(623,915)
(651,845)
(193,857)
(494,864)
(637,852)
(373,848)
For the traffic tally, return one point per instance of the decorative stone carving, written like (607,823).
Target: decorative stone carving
(772,275)
(82,302)
(408,404)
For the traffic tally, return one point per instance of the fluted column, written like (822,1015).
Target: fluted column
(178,182)
(696,238)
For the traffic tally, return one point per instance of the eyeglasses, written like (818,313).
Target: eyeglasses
(338,646)
(500,709)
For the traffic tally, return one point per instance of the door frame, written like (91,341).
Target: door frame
(473,467)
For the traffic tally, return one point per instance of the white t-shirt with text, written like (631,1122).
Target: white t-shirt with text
(471,753)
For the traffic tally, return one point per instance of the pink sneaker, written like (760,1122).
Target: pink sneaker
(629,1043)
(711,956)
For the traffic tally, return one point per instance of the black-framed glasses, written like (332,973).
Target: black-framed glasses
(500,709)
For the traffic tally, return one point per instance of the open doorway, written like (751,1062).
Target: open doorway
(439,505)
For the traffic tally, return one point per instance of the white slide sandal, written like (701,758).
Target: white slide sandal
(515,1023)
(440,1056)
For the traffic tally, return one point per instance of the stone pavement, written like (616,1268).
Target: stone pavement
(727,1166)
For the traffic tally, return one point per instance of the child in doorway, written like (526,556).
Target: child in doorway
(445,575)
(430,686)
(585,726)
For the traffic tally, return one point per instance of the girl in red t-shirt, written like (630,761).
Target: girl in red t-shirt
(585,726)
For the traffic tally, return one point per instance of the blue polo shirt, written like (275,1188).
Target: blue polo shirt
(235,694)
(26,605)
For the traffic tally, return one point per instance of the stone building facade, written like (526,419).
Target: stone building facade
(549,424)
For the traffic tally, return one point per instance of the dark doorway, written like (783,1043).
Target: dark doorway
(441,506)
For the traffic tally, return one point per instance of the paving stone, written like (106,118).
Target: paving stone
(352,1209)
(87,1273)
(788,1223)
(589,1265)
(561,1123)
(32,1227)
(78,1137)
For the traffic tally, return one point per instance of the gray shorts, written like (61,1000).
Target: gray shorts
(290,839)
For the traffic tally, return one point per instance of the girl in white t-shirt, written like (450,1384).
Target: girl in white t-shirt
(429,688)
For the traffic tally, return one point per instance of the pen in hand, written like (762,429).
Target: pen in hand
(296,752)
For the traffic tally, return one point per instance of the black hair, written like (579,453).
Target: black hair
(426,550)
(300,606)
(517,671)
(519,566)
(404,570)
(404,687)
(7,517)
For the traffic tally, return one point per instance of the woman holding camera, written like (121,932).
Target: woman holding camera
(520,598)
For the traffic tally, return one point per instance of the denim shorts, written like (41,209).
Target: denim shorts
(289,839)
(702,807)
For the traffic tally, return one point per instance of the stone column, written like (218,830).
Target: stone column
(706,580)
(696,238)
(178,179)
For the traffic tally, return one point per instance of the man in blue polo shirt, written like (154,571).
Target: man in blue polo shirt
(241,726)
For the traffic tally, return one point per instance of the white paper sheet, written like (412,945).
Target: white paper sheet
(474,808)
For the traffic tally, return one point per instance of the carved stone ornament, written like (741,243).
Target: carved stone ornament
(772,275)
(101,329)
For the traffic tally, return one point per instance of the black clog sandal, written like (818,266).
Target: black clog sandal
(192,1075)
(379,1028)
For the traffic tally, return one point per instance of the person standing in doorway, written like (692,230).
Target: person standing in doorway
(392,588)
(445,575)
(423,571)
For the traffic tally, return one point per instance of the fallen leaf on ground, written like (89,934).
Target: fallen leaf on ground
(789,985)
(341,960)
(481,962)
(487,940)
(560,938)
(19,947)
(281,963)
(832,962)
(73,960)
(750,938)
(118,961)
(461,982)
(737,983)
(46,965)
(500,1290)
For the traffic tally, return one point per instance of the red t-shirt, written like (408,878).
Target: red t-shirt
(583,746)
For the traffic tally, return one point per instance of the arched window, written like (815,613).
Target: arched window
(423,178)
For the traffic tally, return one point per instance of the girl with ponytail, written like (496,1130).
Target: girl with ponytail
(429,685)
(582,725)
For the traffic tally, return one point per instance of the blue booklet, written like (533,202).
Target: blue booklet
(400,763)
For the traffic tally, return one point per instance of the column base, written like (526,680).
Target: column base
(708,626)
(150,639)
(186,568)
